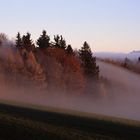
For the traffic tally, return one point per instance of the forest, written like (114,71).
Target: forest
(48,65)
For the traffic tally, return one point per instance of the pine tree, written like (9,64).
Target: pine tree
(44,40)
(62,42)
(56,39)
(19,41)
(59,42)
(139,59)
(27,42)
(69,50)
(88,62)
(126,62)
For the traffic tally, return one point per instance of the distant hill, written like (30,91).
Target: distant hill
(134,55)
(135,51)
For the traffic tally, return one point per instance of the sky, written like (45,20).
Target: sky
(107,25)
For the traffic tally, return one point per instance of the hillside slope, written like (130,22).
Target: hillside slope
(124,90)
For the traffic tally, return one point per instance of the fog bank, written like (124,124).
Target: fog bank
(124,90)
(120,99)
(24,81)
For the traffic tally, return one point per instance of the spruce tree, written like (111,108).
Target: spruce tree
(62,42)
(69,50)
(18,41)
(139,59)
(59,42)
(88,62)
(44,40)
(27,42)
(56,39)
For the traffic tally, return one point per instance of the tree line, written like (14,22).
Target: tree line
(88,61)
(55,62)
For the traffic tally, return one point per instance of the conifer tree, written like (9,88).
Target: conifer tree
(44,40)
(27,42)
(56,39)
(88,61)
(69,50)
(59,42)
(18,41)
(139,59)
(126,62)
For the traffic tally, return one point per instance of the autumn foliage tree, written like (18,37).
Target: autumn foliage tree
(3,38)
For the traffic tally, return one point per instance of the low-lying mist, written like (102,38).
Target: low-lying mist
(120,99)
(55,79)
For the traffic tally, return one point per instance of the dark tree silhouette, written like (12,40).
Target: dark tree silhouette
(27,42)
(44,40)
(56,39)
(59,42)
(126,62)
(139,59)
(91,70)
(69,50)
(19,41)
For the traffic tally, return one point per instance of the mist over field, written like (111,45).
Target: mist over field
(59,82)
(124,90)
(120,99)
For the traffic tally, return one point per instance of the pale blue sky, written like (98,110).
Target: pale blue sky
(107,25)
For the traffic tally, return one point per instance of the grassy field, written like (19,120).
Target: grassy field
(32,124)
